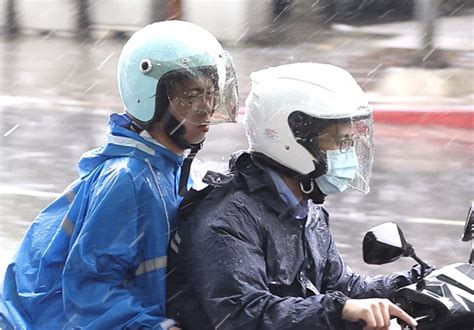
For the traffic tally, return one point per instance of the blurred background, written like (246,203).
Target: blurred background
(414,58)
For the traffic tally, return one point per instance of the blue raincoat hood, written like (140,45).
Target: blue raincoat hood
(123,142)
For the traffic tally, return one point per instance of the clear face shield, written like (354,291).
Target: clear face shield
(349,149)
(204,95)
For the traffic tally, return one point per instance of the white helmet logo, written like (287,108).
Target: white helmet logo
(272,134)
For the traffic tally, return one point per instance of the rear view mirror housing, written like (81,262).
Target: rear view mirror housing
(384,243)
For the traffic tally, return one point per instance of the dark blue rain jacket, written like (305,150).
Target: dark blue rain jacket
(96,256)
(240,260)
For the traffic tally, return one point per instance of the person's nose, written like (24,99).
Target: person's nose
(208,104)
(208,110)
(204,111)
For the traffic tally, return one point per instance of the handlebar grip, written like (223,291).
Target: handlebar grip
(361,324)
(353,325)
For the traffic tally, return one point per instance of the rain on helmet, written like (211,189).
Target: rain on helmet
(164,49)
(290,105)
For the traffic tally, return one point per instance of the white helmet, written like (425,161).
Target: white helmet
(290,105)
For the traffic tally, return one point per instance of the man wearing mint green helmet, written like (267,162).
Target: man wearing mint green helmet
(257,252)
(96,257)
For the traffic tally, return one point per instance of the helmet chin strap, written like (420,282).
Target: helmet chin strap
(310,190)
(176,130)
(311,187)
(186,169)
(308,186)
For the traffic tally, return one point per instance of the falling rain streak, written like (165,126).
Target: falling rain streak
(11,130)
(423,174)
(101,65)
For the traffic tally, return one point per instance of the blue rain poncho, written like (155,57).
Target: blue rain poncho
(96,256)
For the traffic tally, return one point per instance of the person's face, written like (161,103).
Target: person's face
(192,104)
(336,137)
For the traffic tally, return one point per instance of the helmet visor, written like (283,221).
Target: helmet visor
(347,135)
(204,95)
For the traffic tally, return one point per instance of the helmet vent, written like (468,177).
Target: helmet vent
(300,124)
(145,65)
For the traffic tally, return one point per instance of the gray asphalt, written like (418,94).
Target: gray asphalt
(423,178)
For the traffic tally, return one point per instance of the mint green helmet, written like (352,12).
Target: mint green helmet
(164,48)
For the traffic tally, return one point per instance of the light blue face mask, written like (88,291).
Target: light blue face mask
(342,169)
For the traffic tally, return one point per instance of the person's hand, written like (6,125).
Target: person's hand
(174,328)
(374,312)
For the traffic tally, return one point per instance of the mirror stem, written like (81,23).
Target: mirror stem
(472,252)
(420,284)
(410,252)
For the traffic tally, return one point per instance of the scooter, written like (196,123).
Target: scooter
(444,299)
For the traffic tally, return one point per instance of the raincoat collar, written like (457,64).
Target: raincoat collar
(123,142)
(257,179)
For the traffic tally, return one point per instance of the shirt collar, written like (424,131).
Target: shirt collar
(299,209)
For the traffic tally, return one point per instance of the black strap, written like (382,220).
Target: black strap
(186,169)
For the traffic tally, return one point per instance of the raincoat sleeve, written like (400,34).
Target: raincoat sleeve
(99,275)
(340,277)
(229,276)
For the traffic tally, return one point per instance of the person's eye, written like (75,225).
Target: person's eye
(211,95)
(193,94)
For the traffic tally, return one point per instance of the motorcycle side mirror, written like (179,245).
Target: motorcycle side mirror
(383,244)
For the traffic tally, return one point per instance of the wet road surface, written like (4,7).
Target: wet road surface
(56,94)
(423,178)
